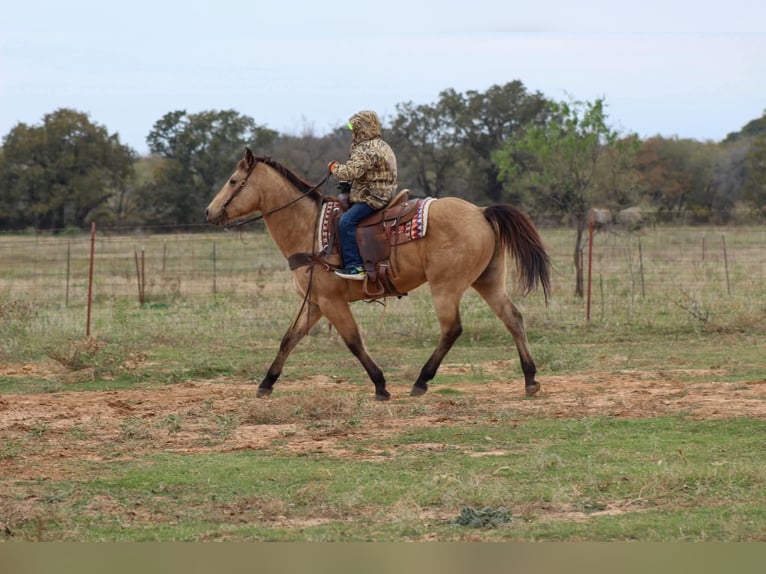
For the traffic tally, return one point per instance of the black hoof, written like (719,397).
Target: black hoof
(418,391)
(382,396)
(532,389)
(263,392)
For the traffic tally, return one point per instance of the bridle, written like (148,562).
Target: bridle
(306,259)
(250,219)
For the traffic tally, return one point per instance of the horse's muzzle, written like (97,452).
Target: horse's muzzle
(215,219)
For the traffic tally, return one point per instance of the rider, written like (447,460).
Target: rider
(371,170)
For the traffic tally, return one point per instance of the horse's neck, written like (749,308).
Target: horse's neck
(291,226)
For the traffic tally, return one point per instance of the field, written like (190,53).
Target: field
(649,425)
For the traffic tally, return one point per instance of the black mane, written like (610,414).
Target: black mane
(302,185)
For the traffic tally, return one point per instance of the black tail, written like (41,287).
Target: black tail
(519,235)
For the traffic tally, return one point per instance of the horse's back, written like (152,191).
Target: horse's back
(460,227)
(457,247)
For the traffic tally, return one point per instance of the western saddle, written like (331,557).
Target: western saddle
(377,236)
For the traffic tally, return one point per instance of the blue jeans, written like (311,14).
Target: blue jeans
(348,222)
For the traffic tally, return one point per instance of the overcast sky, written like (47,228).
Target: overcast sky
(685,68)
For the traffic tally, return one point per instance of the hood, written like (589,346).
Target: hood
(366,126)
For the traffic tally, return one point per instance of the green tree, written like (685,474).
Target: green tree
(54,175)
(199,152)
(446,148)
(753,128)
(308,153)
(691,180)
(425,139)
(754,192)
(491,119)
(569,164)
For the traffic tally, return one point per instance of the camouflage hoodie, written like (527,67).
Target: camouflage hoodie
(371,166)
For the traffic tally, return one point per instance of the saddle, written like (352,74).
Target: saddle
(378,236)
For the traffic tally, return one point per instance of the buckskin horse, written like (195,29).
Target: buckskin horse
(464,246)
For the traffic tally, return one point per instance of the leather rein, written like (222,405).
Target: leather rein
(296,260)
(251,218)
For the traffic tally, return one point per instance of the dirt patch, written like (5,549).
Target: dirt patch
(41,435)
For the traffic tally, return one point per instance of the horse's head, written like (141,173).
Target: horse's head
(237,198)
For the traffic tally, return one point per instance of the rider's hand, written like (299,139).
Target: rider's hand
(332,165)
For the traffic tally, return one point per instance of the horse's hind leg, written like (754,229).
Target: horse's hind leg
(340,316)
(447,305)
(491,286)
(307,317)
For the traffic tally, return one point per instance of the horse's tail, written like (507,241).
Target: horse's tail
(518,234)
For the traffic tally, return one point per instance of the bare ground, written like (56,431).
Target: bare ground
(45,435)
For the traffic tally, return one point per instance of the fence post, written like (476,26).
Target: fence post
(140,278)
(143,276)
(68,268)
(726,264)
(214,258)
(90,275)
(601,290)
(590,263)
(641,268)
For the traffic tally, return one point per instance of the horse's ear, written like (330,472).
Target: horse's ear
(248,157)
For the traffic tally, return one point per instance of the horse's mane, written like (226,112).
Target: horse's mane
(302,185)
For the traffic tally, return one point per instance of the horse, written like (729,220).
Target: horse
(465,246)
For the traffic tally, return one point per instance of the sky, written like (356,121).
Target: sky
(676,68)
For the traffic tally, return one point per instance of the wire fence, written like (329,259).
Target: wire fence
(655,278)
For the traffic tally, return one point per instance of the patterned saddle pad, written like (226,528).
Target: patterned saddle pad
(406,228)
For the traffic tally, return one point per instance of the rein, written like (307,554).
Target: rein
(251,218)
(310,258)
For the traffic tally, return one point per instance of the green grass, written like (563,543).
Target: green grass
(658,479)
(663,478)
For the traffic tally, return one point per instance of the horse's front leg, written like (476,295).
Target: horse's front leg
(340,316)
(307,317)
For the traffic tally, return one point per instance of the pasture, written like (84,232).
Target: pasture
(649,426)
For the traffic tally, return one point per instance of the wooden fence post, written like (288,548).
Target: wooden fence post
(90,275)
(726,264)
(68,271)
(140,277)
(214,271)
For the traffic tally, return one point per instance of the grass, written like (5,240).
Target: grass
(597,479)
(452,468)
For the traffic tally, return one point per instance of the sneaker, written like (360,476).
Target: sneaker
(357,273)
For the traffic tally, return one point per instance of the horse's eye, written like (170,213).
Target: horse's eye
(232,181)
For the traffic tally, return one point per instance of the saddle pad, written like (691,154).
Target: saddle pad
(325,217)
(414,229)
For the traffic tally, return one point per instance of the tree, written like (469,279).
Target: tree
(426,136)
(308,154)
(753,128)
(491,119)
(570,163)
(200,151)
(54,175)
(446,148)
(755,174)
(688,179)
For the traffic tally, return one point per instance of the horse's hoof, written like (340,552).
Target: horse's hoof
(532,389)
(383,396)
(263,392)
(418,391)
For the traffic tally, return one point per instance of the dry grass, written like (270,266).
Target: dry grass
(150,428)
(305,408)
